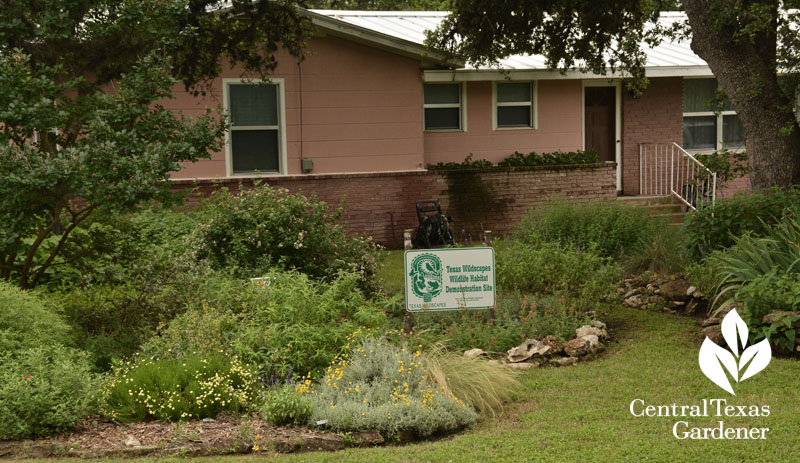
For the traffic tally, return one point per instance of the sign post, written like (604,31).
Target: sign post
(450,279)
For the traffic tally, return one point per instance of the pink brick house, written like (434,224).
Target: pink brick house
(372,102)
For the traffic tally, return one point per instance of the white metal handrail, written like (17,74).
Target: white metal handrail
(668,169)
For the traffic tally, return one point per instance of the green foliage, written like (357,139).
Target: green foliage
(772,291)
(266,228)
(752,257)
(43,390)
(467,163)
(378,386)
(548,267)
(557,158)
(518,159)
(284,406)
(289,322)
(716,227)
(485,386)
(763,274)
(69,132)
(112,319)
(184,388)
(516,318)
(663,253)
(613,229)
(27,321)
(727,165)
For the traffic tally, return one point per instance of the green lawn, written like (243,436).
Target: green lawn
(390,271)
(581,413)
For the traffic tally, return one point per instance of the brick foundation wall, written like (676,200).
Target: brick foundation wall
(381,205)
(655,117)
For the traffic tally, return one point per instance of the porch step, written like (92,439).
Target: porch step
(660,206)
(645,200)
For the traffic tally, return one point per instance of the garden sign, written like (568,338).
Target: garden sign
(449,279)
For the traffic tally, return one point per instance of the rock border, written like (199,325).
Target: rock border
(589,340)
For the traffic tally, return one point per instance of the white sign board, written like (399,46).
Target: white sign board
(449,279)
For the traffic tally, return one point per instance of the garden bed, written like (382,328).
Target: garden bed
(98,437)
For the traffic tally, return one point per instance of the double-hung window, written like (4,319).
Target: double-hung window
(256,135)
(514,105)
(709,124)
(443,107)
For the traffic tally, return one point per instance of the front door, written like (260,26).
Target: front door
(600,119)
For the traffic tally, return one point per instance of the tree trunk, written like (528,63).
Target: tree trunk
(747,73)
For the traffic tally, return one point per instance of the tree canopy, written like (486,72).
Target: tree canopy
(82,128)
(738,39)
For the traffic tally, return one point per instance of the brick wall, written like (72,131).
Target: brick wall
(382,204)
(655,117)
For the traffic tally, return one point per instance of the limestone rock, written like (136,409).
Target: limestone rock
(675,290)
(598,324)
(556,346)
(566,361)
(132,442)
(591,330)
(690,291)
(711,321)
(475,353)
(581,346)
(634,301)
(778,315)
(367,438)
(526,350)
(714,333)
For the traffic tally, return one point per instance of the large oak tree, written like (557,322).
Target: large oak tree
(81,126)
(746,43)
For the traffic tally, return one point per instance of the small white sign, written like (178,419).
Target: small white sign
(449,279)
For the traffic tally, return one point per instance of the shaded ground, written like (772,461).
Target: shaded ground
(581,413)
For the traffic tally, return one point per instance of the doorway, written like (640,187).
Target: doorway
(601,122)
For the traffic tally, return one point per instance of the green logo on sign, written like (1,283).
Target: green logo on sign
(426,276)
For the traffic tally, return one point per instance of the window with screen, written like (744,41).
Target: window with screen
(255,138)
(709,121)
(514,105)
(442,105)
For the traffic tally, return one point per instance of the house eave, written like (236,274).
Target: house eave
(468,75)
(427,57)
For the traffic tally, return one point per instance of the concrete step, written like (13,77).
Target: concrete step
(646,200)
(656,209)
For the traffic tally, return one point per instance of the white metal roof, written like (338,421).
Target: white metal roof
(668,58)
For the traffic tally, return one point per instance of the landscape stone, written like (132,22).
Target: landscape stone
(522,365)
(579,346)
(675,290)
(566,361)
(690,291)
(526,350)
(590,330)
(132,442)
(714,333)
(556,346)
(475,353)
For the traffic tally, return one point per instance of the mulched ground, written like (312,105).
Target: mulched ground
(97,437)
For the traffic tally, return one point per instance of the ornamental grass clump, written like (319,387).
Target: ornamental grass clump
(383,387)
(179,389)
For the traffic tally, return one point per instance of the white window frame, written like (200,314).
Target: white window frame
(534,104)
(462,107)
(719,115)
(281,127)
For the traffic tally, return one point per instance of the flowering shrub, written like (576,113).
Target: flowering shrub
(176,389)
(266,228)
(386,388)
(43,390)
